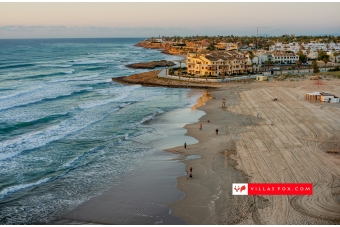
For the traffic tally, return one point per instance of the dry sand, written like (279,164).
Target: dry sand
(288,142)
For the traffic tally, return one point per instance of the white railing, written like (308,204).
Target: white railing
(198,79)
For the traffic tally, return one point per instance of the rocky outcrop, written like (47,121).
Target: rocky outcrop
(150,65)
(151,79)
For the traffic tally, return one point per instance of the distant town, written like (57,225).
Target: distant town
(232,55)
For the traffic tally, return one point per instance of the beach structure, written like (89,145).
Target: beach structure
(261,78)
(321,97)
(217,63)
(328,97)
(283,57)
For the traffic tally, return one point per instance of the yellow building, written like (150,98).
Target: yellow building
(217,63)
(261,78)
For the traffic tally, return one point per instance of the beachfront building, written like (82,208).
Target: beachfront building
(322,97)
(283,57)
(305,47)
(217,63)
(261,58)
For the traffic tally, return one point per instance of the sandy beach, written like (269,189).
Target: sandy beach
(258,140)
(263,141)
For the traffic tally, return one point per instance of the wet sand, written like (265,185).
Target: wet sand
(288,142)
(142,197)
(258,141)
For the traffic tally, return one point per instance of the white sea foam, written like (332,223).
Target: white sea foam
(72,161)
(70,72)
(15,188)
(121,94)
(49,90)
(59,66)
(150,117)
(88,62)
(37,94)
(36,139)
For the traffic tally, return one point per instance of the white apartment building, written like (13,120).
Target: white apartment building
(311,47)
(282,57)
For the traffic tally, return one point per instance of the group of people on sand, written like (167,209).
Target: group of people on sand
(185,147)
(201,126)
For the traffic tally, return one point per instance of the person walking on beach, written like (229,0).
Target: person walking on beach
(201,126)
(185,145)
(216,131)
(190,172)
(186,174)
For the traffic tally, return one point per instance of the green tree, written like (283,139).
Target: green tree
(335,56)
(315,67)
(302,57)
(322,55)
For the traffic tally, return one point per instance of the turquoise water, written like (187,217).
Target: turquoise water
(66,130)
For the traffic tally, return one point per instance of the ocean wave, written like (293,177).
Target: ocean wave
(82,78)
(36,139)
(16,188)
(16,66)
(37,95)
(59,66)
(150,117)
(74,160)
(121,93)
(88,62)
(6,128)
(96,68)
(44,75)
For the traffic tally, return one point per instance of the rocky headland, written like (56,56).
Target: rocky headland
(151,79)
(150,65)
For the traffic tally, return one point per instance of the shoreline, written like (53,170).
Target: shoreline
(202,203)
(208,195)
(142,197)
(151,79)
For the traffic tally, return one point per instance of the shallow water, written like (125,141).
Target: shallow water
(67,132)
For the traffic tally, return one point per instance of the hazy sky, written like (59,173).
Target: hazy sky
(117,19)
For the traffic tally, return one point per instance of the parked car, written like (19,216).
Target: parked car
(277,69)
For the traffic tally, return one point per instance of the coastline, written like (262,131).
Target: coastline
(208,198)
(151,79)
(142,197)
(208,195)
(216,165)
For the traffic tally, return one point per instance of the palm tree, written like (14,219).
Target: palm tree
(268,63)
(298,64)
(325,60)
(335,56)
(293,67)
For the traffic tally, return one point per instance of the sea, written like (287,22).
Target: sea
(67,131)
